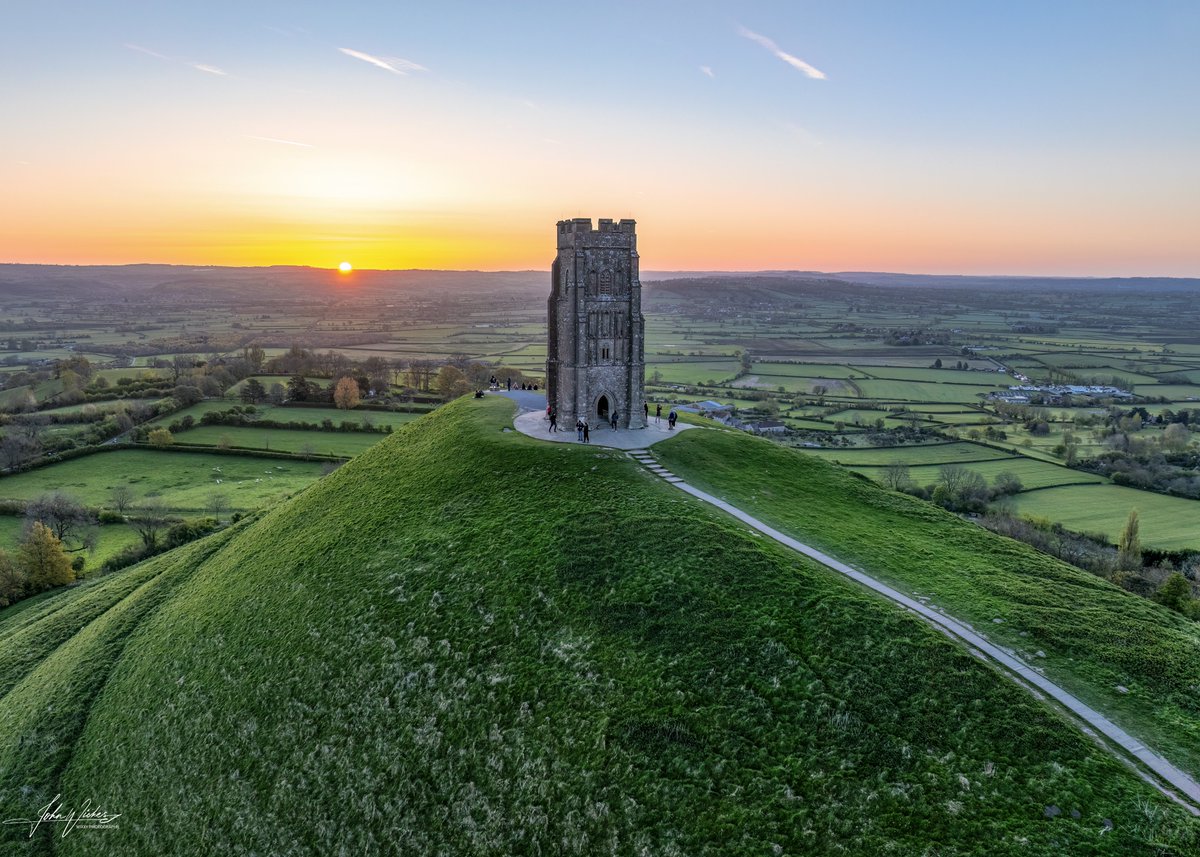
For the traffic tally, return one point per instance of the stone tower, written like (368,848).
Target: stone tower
(595,362)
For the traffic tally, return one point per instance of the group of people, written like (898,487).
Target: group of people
(582,428)
(508,383)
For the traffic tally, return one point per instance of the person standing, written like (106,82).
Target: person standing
(671,417)
(586,439)
(658,413)
(553,420)
(613,420)
(646,408)
(579,429)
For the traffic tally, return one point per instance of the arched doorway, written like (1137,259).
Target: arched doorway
(602,408)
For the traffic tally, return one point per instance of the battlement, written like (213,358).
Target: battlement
(580,233)
(605,224)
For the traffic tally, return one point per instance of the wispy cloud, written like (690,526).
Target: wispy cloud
(278,140)
(707,71)
(396,65)
(140,49)
(199,66)
(794,61)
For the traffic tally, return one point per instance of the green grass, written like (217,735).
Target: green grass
(342,443)
(930,453)
(316,415)
(1033,474)
(937,376)
(112,538)
(184,480)
(693,372)
(1095,635)
(922,391)
(541,650)
(1166,522)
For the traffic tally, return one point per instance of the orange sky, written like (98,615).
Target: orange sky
(206,136)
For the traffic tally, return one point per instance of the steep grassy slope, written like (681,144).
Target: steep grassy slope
(465,641)
(1093,636)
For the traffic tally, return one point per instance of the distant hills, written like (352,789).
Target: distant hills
(89,282)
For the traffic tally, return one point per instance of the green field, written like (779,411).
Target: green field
(112,538)
(634,673)
(1166,522)
(342,443)
(1033,474)
(921,391)
(184,480)
(693,372)
(932,453)
(935,376)
(298,414)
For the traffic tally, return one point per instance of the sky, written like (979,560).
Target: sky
(919,136)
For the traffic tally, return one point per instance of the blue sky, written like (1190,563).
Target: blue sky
(959,136)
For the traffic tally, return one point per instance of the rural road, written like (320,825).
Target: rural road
(1188,790)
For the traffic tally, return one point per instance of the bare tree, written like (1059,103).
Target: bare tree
(149,520)
(65,516)
(121,498)
(218,502)
(952,477)
(181,364)
(16,449)
(896,476)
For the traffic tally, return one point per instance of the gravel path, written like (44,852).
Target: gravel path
(1186,789)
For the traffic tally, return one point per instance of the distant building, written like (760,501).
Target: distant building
(767,427)
(1026,393)
(595,356)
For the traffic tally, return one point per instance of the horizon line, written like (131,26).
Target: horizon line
(731,271)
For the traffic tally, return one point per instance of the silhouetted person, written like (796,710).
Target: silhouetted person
(553,421)
(586,437)
(612,421)
(658,413)
(646,408)
(509,382)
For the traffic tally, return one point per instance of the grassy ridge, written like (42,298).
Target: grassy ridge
(1094,635)
(53,664)
(542,649)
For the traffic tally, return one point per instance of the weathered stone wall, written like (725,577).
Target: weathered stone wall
(595,356)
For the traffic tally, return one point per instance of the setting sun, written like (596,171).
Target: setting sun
(345,267)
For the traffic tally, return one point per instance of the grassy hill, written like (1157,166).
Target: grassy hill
(1093,636)
(465,641)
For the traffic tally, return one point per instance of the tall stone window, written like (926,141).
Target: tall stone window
(606,284)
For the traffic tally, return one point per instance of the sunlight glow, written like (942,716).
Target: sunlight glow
(345,267)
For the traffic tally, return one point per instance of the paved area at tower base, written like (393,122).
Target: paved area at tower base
(532,422)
